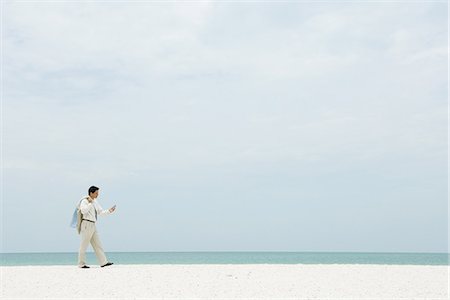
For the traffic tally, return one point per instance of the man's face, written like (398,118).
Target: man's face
(94,195)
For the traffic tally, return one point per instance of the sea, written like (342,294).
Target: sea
(70,258)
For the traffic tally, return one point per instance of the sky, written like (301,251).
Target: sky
(225,126)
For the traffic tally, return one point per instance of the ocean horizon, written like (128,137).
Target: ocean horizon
(251,257)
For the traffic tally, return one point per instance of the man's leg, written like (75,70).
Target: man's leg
(86,235)
(97,245)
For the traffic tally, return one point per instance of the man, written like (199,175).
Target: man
(89,209)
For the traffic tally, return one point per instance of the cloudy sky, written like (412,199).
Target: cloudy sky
(224,126)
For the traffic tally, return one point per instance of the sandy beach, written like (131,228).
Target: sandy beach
(238,281)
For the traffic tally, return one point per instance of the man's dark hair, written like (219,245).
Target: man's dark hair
(92,189)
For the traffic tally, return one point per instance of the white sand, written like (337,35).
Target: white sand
(259,281)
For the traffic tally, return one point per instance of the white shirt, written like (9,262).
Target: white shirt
(88,209)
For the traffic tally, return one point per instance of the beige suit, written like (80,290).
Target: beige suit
(89,234)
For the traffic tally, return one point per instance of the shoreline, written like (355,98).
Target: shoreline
(236,281)
(235,257)
(227,264)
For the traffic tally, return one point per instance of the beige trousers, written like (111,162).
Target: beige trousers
(89,234)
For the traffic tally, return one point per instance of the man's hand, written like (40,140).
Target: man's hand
(112,209)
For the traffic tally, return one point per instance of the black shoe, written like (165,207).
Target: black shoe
(85,267)
(107,264)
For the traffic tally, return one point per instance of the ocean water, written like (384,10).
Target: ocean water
(70,258)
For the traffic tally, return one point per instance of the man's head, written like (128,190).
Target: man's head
(93,192)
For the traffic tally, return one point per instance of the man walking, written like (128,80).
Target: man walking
(89,209)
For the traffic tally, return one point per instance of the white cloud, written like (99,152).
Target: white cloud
(151,73)
(254,103)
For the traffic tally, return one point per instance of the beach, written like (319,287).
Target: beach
(235,281)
